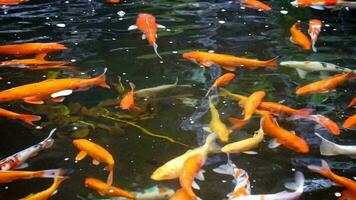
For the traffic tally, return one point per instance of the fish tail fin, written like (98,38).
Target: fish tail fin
(224,92)
(29,119)
(132,86)
(41,56)
(210,143)
(102,80)
(351,75)
(324,169)
(273,63)
(155,48)
(58,181)
(237,123)
(298,184)
(72,68)
(52,173)
(327,148)
(209,90)
(110,179)
(313,47)
(303,113)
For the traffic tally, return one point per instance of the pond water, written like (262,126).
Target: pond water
(96,35)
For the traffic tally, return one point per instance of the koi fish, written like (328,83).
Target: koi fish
(9,176)
(221,81)
(113,1)
(298,37)
(191,170)
(255,4)
(154,91)
(216,125)
(325,122)
(146,23)
(18,160)
(328,148)
(12,2)
(153,193)
(98,153)
(304,67)
(181,194)
(325,85)
(46,194)
(282,136)
(31,48)
(322,4)
(250,105)
(53,89)
(107,189)
(228,62)
(244,146)
(352,103)
(24,63)
(324,170)
(347,195)
(28,119)
(314,30)
(127,103)
(170,170)
(350,122)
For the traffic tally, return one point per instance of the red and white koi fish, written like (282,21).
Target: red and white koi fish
(18,160)
(314,30)
(146,23)
(322,4)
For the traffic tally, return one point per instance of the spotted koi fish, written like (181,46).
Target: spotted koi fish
(314,30)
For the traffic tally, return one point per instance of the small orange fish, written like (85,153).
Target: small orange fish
(28,119)
(9,176)
(107,190)
(181,194)
(128,102)
(113,1)
(98,153)
(46,194)
(255,4)
(324,170)
(352,103)
(325,85)
(228,62)
(191,169)
(38,60)
(326,123)
(12,2)
(221,81)
(31,48)
(314,30)
(146,23)
(350,122)
(250,106)
(53,89)
(298,37)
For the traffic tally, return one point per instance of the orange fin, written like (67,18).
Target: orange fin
(41,56)
(33,100)
(110,179)
(272,63)
(229,68)
(29,119)
(81,155)
(237,123)
(58,99)
(102,80)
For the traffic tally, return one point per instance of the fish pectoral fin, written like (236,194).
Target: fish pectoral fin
(41,56)
(291,185)
(229,68)
(273,144)
(143,37)
(250,152)
(81,155)
(302,73)
(200,175)
(61,93)
(58,99)
(132,27)
(161,26)
(95,162)
(195,185)
(207,129)
(291,40)
(22,166)
(317,7)
(33,100)
(206,63)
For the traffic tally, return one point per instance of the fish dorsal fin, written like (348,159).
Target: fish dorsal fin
(273,144)
(95,162)
(132,27)
(61,93)
(33,100)
(81,155)
(200,175)
(302,73)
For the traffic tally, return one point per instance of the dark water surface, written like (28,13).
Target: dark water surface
(97,37)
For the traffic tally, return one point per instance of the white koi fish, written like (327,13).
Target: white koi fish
(150,92)
(328,148)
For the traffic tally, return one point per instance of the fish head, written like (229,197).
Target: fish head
(79,143)
(193,56)
(164,173)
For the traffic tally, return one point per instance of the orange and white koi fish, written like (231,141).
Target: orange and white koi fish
(98,153)
(31,48)
(325,85)
(250,105)
(24,63)
(228,62)
(325,122)
(181,194)
(328,148)
(11,2)
(245,146)
(52,89)
(18,160)
(255,4)
(9,176)
(221,81)
(322,4)
(107,190)
(128,102)
(28,119)
(146,23)
(350,122)
(352,103)
(46,194)
(314,30)
(282,136)
(170,170)
(298,37)
(324,170)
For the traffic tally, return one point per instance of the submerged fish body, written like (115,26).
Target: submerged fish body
(12,2)
(328,148)
(216,125)
(256,4)
(28,119)
(9,176)
(244,145)
(298,37)
(46,194)
(153,193)
(31,48)
(105,189)
(154,91)
(350,122)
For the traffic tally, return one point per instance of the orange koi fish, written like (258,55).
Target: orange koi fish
(250,105)
(324,170)
(28,119)
(221,81)
(325,85)
(181,194)
(191,170)
(24,63)
(9,176)
(282,136)
(298,37)
(12,2)
(347,195)
(53,89)
(322,4)
(314,30)
(350,122)
(146,23)
(352,103)
(255,4)
(128,102)
(325,122)
(46,194)
(228,62)
(98,153)
(30,48)
(107,190)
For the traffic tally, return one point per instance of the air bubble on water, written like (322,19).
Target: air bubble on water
(44,76)
(211,51)
(327,25)
(61,25)
(113,38)
(123,73)
(223,181)
(75,128)
(72,60)
(66,159)
(121,13)
(66,2)
(254,180)
(334,29)
(242,8)
(221,22)
(223,10)
(284,12)
(347,8)
(175,52)
(8,83)
(7,187)
(293,169)
(167,29)
(170,42)
(121,18)
(5,12)
(337,194)
(161,61)
(146,77)
(76,161)
(266,26)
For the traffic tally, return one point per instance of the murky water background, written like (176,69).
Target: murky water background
(97,37)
